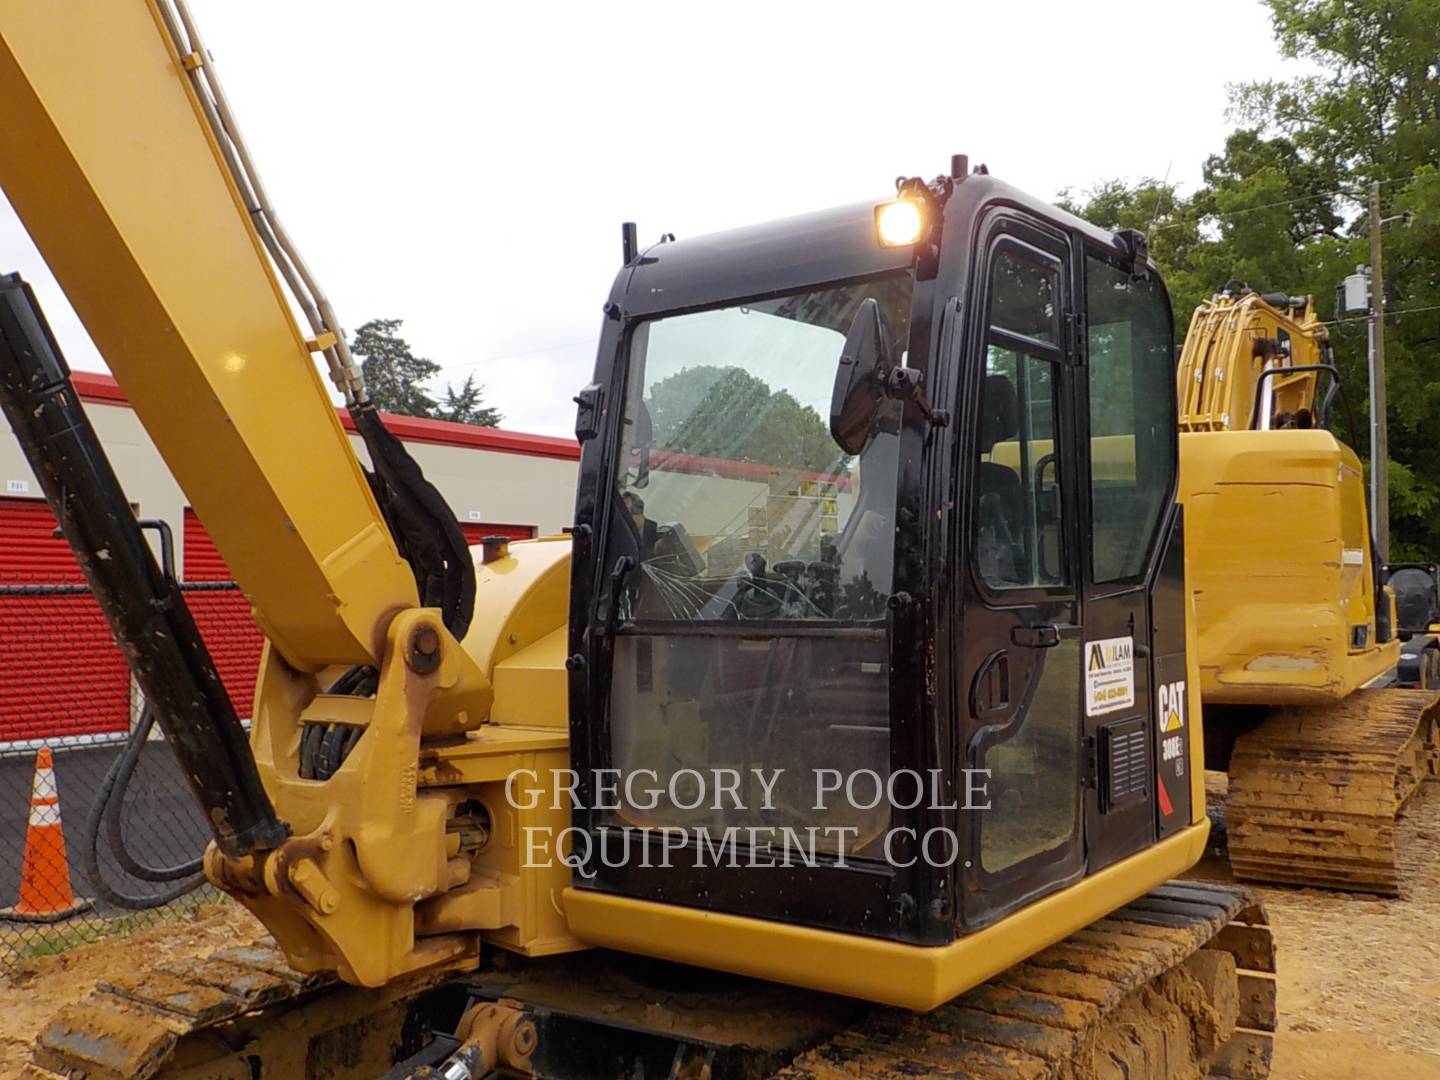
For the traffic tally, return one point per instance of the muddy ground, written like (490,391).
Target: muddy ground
(46,984)
(1359,978)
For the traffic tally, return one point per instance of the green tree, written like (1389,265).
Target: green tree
(1170,222)
(1374,116)
(729,413)
(394,375)
(467,405)
(1282,207)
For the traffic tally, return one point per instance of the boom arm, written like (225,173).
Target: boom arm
(106,157)
(119,155)
(1232,340)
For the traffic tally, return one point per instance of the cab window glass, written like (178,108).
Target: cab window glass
(1023,298)
(1132,417)
(1018,537)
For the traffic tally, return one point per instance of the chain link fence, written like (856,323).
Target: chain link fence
(76,866)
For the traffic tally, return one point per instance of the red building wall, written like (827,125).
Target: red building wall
(62,672)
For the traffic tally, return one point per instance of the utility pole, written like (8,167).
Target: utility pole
(1379,434)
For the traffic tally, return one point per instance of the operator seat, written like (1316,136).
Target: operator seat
(998,486)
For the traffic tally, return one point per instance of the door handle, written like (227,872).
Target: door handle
(1035,637)
(990,692)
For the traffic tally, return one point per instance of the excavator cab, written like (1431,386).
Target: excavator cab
(877,613)
(1417,608)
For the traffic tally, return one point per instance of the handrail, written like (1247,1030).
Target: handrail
(1323,413)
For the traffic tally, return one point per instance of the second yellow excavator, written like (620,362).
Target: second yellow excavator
(1297,632)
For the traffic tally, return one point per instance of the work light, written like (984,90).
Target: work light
(899,223)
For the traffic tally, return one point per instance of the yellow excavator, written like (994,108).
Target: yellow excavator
(856,731)
(1300,653)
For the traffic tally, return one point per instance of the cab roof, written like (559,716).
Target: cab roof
(792,253)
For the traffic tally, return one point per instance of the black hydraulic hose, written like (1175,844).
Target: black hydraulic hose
(146,612)
(423,524)
(105,813)
(124,768)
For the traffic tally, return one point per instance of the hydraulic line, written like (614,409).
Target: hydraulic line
(313,302)
(105,817)
(146,611)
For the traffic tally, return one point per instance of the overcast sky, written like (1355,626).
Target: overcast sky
(465,166)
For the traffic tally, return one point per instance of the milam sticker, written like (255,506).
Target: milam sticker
(1109,675)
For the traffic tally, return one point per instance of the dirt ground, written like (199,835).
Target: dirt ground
(1359,977)
(47,984)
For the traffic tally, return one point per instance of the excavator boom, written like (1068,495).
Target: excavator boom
(129,199)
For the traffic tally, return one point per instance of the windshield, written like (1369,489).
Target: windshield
(743,505)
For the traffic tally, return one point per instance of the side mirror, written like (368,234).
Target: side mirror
(860,380)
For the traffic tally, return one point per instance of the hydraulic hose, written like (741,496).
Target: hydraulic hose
(145,610)
(105,816)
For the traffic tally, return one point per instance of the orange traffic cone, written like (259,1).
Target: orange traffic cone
(45,894)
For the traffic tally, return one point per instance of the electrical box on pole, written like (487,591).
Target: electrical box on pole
(1355,291)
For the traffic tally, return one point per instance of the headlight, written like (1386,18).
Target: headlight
(899,223)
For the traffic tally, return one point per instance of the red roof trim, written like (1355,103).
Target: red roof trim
(419,429)
(754,471)
(94,386)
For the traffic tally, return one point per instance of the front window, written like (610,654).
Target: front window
(743,505)
(751,633)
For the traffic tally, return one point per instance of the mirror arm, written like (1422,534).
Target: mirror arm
(907,384)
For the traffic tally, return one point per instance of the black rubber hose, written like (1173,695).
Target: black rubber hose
(425,528)
(114,833)
(104,816)
(146,611)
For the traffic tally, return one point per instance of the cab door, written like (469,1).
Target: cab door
(1020,619)
(1132,569)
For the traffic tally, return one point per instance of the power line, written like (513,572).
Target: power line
(1388,313)
(1254,209)
(1348,192)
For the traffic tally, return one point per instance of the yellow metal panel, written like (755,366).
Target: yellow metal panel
(519,599)
(105,156)
(911,976)
(532,686)
(1279,565)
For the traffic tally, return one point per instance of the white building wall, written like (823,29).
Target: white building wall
(501,488)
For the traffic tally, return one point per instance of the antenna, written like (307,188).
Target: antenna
(1160,195)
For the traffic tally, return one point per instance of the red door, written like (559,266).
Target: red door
(222,616)
(60,670)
